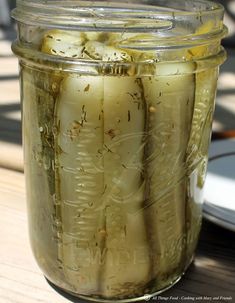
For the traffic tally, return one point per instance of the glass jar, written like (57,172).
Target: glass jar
(118,101)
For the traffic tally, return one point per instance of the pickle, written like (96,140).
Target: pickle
(38,139)
(197,151)
(81,184)
(170,99)
(124,121)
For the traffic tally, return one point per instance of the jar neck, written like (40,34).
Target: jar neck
(166,32)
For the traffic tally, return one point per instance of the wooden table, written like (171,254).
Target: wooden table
(211,275)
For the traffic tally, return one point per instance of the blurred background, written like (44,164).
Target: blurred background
(10,125)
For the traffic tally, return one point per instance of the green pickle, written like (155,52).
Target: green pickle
(115,165)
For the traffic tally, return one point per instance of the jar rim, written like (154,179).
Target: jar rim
(190,7)
(113,15)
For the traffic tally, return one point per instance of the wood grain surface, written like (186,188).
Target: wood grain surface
(20,278)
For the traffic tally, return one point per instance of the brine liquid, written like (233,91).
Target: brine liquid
(115,167)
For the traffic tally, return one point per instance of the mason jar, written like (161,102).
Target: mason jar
(118,101)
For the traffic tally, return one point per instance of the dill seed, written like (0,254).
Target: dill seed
(86,89)
(129,116)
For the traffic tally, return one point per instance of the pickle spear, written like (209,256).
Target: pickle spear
(80,143)
(38,125)
(197,152)
(127,268)
(170,99)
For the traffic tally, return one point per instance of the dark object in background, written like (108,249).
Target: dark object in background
(229,6)
(223,135)
(4,13)
(12,4)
